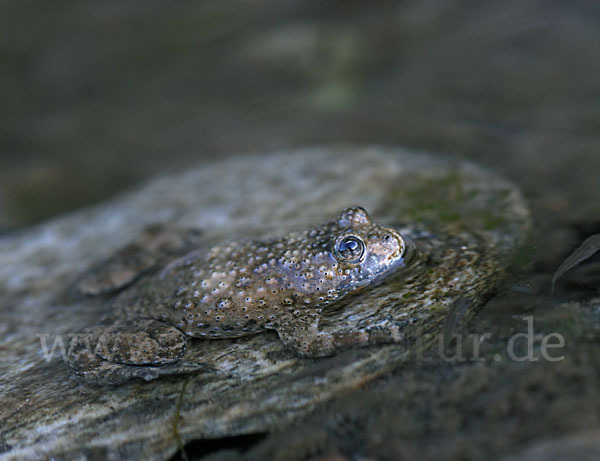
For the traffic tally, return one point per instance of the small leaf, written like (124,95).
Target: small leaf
(590,246)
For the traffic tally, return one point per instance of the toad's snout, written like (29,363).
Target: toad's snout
(393,245)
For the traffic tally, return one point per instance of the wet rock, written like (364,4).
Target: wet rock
(473,221)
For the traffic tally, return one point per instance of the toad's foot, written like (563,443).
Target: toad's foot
(314,343)
(111,354)
(156,246)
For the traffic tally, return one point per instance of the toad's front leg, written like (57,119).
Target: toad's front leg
(308,341)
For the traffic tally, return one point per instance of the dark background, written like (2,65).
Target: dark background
(97,95)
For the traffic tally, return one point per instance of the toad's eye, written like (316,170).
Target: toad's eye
(349,249)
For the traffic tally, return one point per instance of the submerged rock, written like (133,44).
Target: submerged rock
(466,223)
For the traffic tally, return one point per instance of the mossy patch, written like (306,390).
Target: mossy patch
(447,200)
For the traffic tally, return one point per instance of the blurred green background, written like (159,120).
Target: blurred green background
(97,95)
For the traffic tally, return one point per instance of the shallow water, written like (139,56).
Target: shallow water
(96,96)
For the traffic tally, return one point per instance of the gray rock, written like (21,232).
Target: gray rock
(472,221)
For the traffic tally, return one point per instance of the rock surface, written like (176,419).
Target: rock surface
(475,221)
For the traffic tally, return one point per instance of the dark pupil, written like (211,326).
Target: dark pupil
(350,248)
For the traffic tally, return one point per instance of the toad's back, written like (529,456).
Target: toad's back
(246,287)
